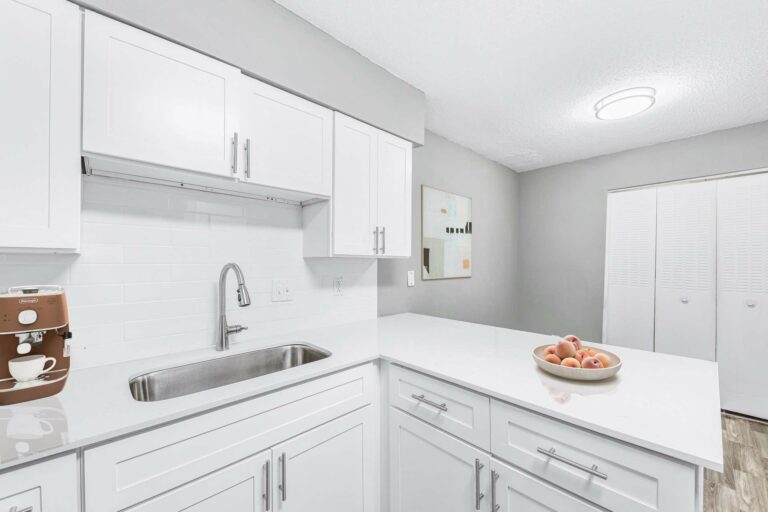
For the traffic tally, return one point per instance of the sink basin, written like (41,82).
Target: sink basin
(191,378)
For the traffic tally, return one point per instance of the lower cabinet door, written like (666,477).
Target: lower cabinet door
(432,471)
(240,487)
(332,468)
(513,491)
(49,486)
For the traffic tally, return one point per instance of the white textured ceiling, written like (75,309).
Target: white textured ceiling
(516,80)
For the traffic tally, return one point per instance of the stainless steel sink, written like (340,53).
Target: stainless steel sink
(191,378)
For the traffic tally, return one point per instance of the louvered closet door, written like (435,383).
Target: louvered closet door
(628,316)
(685,269)
(742,294)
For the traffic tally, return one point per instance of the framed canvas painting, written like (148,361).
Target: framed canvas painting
(446,234)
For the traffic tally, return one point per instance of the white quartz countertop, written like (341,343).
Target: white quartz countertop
(663,403)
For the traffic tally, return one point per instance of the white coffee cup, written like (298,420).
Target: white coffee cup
(28,368)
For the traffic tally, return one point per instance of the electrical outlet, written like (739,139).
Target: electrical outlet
(411,278)
(338,286)
(282,290)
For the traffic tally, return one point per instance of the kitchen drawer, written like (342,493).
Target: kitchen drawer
(636,480)
(128,471)
(49,486)
(454,409)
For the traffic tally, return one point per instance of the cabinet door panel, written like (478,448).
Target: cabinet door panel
(630,268)
(240,487)
(150,100)
(742,293)
(330,468)
(354,187)
(40,124)
(290,139)
(50,486)
(516,491)
(685,270)
(394,195)
(431,470)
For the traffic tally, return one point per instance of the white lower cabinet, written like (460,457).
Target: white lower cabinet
(241,487)
(331,468)
(514,490)
(431,470)
(49,486)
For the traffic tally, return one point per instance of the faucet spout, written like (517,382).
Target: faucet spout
(243,299)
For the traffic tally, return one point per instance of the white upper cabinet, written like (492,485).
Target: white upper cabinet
(287,142)
(685,270)
(394,195)
(148,100)
(370,212)
(39,125)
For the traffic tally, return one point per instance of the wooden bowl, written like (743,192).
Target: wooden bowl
(567,372)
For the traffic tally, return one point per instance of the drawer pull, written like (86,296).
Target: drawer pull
(267,486)
(283,476)
(16,509)
(478,495)
(443,407)
(494,478)
(592,471)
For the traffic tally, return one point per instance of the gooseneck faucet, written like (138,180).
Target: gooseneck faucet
(243,299)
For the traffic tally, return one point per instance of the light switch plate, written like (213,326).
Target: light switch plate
(338,286)
(282,291)
(411,278)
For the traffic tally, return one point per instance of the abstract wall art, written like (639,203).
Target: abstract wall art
(446,235)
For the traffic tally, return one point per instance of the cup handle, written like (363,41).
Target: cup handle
(46,427)
(46,370)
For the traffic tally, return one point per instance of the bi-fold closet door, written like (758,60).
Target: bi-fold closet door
(661,269)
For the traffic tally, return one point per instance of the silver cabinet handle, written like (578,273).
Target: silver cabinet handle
(478,495)
(234,154)
(592,471)
(684,300)
(283,486)
(384,240)
(247,147)
(15,509)
(494,477)
(267,486)
(376,240)
(751,304)
(443,406)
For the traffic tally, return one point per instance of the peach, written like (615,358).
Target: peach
(581,354)
(571,362)
(550,350)
(552,358)
(591,363)
(573,339)
(603,359)
(592,352)
(565,349)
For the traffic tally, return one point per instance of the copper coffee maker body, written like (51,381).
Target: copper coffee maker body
(33,320)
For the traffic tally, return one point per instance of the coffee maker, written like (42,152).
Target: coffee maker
(34,320)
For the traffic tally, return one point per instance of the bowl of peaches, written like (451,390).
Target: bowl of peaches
(569,359)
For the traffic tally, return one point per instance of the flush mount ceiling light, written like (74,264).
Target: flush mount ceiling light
(626,103)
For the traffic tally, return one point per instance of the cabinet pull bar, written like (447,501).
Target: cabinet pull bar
(16,509)
(443,407)
(376,240)
(247,158)
(234,154)
(478,495)
(283,490)
(592,471)
(267,486)
(384,240)
(494,477)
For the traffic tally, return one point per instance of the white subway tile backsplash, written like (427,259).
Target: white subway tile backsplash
(146,280)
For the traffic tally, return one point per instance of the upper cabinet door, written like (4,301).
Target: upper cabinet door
(630,269)
(287,141)
(149,100)
(394,195)
(39,125)
(685,270)
(354,187)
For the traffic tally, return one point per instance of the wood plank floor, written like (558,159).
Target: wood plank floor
(743,485)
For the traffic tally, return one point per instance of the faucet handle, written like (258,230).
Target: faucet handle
(232,329)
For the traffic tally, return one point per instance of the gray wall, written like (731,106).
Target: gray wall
(272,43)
(489,295)
(562,212)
